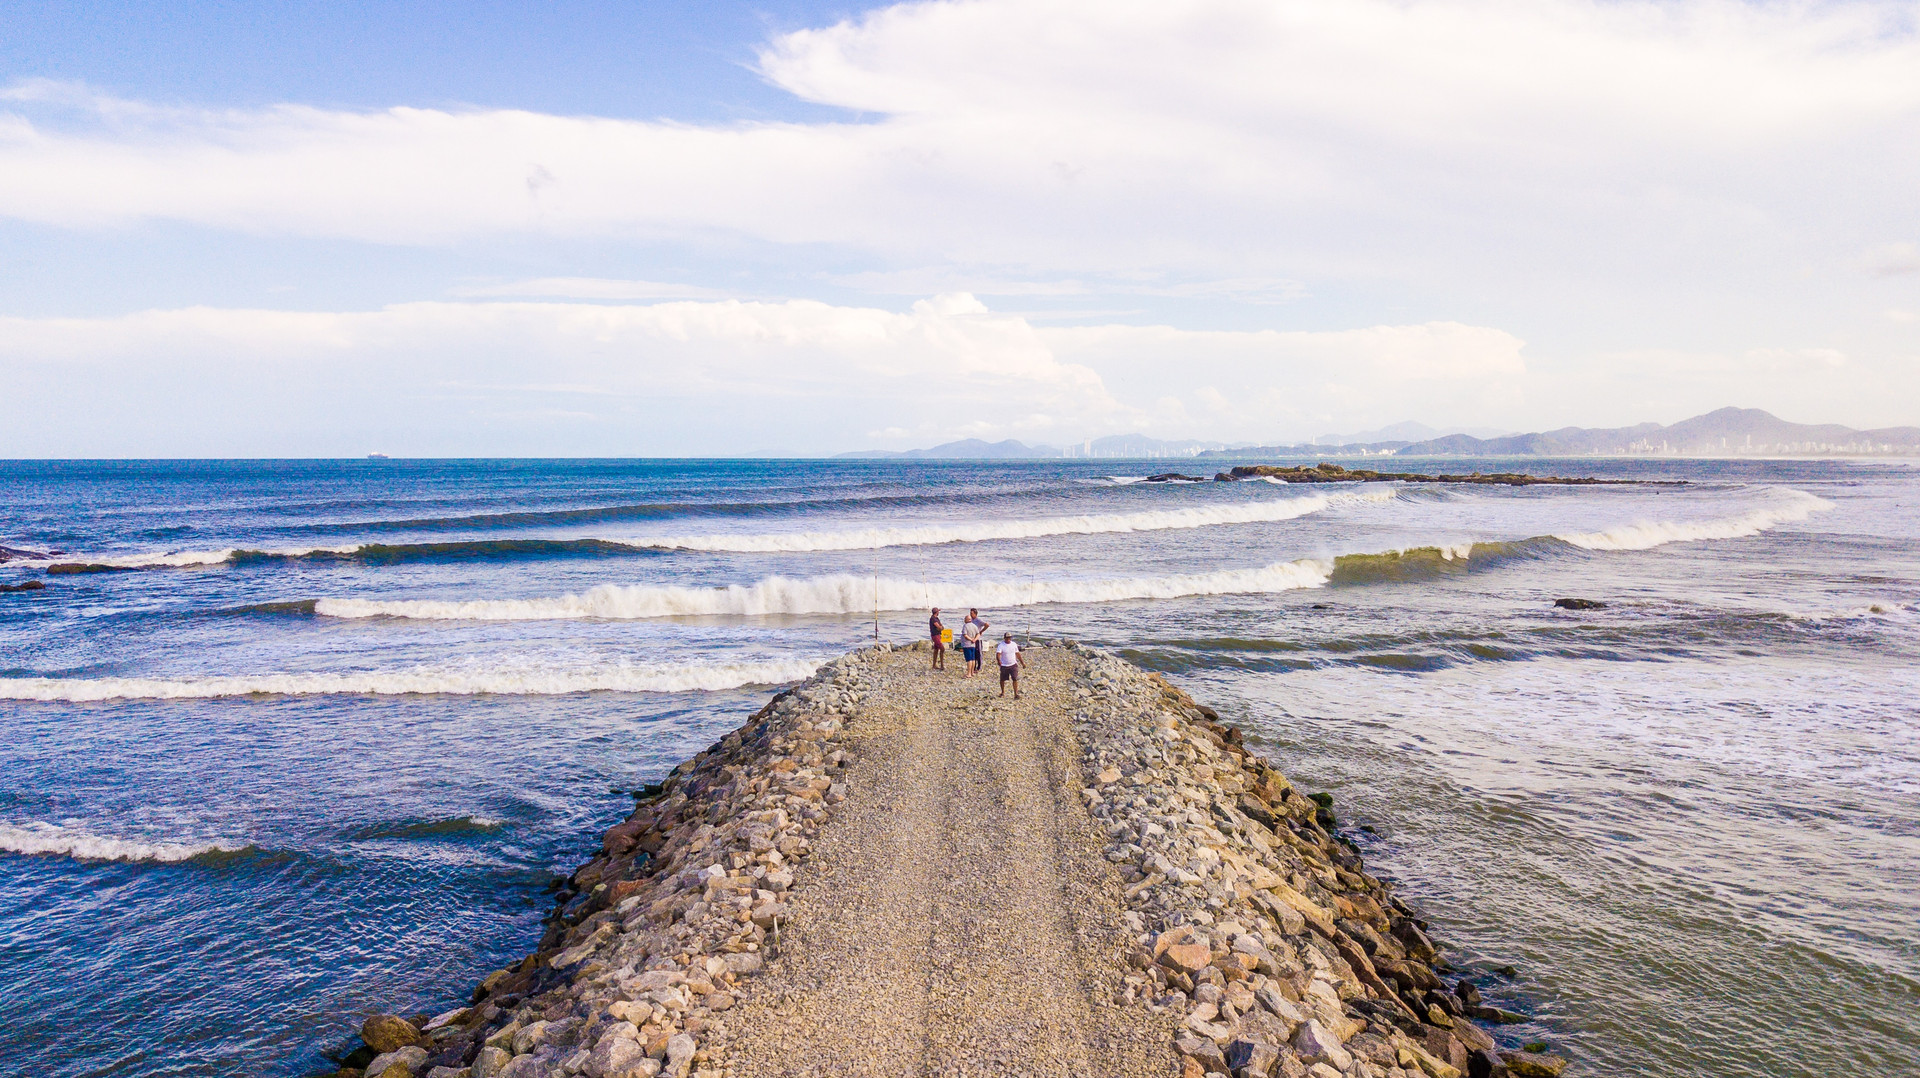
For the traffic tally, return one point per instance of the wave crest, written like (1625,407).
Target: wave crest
(837,594)
(45,839)
(1250,512)
(1795,506)
(639,677)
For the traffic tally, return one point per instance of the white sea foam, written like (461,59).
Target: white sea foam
(1791,506)
(647,677)
(45,839)
(1204,516)
(837,594)
(1251,512)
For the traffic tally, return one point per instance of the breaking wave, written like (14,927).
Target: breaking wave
(1252,512)
(1796,506)
(837,594)
(49,840)
(852,594)
(1445,559)
(646,677)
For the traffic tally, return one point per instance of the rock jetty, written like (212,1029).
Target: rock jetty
(891,871)
(1334,473)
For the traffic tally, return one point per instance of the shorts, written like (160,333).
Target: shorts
(939,644)
(972,654)
(1009,673)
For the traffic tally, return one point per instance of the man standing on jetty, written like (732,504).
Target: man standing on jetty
(939,645)
(1010,663)
(973,633)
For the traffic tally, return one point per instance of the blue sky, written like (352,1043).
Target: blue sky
(662,229)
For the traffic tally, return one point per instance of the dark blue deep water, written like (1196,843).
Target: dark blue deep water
(310,739)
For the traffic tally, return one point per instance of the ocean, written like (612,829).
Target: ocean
(312,739)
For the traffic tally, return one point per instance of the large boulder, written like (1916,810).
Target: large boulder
(386,1032)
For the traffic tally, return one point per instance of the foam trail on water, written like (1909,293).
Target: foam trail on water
(837,594)
(45,839)
(1252,512)
(1796,506)
(621,678)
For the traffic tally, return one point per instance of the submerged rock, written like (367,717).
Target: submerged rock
(1579,604)
(25,585)
(1533,1064)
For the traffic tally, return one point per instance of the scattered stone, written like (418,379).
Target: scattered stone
(1579,604)
(25,585)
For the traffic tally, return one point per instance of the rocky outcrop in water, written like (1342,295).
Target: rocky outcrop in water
(1334,473)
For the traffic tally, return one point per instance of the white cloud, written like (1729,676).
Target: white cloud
(1671,200)
(1894,260)
(587,288)
(798,375)
(1214,141)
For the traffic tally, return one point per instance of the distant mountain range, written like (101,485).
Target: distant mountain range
(1407,432)
(1727,432)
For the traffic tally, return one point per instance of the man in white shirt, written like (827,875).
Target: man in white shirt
(1010,663)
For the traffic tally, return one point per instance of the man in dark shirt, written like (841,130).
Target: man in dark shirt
(938,631)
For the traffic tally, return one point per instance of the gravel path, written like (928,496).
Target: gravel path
(957,917)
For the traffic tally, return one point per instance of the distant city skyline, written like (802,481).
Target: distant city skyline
(794,228)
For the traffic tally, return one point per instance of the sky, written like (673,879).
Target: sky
(639,229)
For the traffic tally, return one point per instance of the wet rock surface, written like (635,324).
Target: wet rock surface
(892,871)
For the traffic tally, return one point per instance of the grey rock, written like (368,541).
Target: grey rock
(618,1051)
(1252,1059)
(1317,1044)
(525,1067)
(1203,1051)
(490,1062)
(680,1048)
(410,1059)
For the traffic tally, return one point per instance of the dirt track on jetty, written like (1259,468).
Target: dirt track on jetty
(960,919)
(893,871)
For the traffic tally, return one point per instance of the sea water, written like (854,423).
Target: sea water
(313,739)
